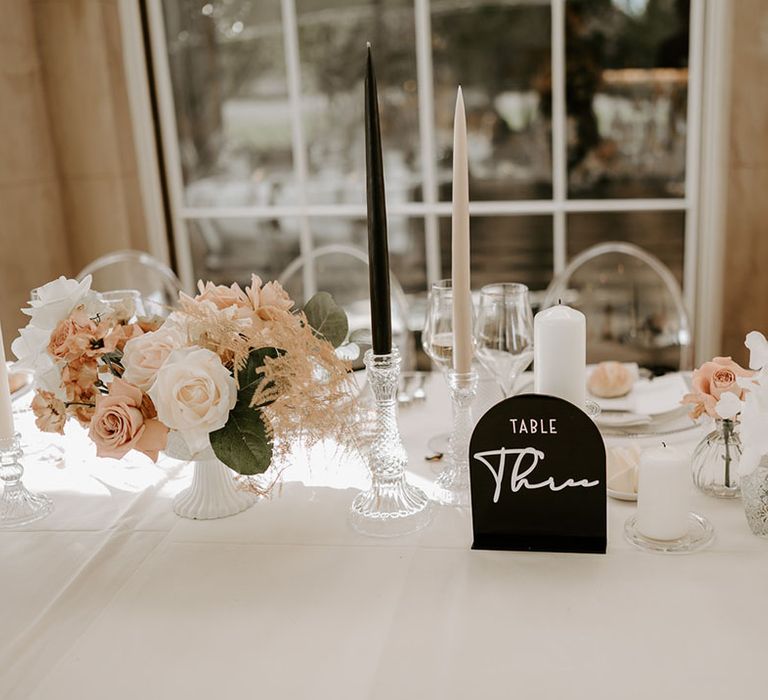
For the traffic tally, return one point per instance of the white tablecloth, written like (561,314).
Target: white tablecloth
(113,596)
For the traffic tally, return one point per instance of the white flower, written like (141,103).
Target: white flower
(31,342)
(31,349)
(758,350)
(729,406)
(56,300)
(145,354)
(754,423)
(193,394)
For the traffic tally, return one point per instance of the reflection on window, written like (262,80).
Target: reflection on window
(226,250)
(332,37)
(661,233)
(506,249)
(626,97)
(499,52)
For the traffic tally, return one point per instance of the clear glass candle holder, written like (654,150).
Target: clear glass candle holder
(392,506)
(18,506)
(452,486)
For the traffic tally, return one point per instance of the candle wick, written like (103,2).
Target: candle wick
(559,302)
(663,443)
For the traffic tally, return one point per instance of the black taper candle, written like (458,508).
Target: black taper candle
(378,250)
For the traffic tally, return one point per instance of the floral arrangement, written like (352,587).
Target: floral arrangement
(239,370)
(751,404)
(711,383)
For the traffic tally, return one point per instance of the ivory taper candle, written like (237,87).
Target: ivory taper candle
(6,408)
(462,296)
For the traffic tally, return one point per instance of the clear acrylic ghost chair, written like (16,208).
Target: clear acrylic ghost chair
(342,271)
(134,270)
(633,303)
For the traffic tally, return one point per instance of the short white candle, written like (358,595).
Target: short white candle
(663,493)
(6,408)
(560,354)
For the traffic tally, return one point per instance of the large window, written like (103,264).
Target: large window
(581,116)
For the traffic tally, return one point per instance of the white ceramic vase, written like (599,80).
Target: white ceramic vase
(213,493)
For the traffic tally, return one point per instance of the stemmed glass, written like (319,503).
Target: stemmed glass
(504,332)
(437,341)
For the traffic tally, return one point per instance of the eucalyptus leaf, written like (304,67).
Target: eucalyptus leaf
(249,377)
(243,444)
(327,318)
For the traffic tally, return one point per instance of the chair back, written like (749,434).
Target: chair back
(342,271)
(134,270)
(633,303)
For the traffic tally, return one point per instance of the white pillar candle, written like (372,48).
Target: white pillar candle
(462,297)
(6,408)
(560,354)
(663,493)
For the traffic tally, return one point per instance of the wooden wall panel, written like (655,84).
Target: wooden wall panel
(746,258)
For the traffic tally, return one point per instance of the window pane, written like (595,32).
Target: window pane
(661,233)
(229,83)
(229,250)
(499,52)
(332,37)
(626,97)
(505,249)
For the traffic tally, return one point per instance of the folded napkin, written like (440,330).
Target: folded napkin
(621,468)
(649,397)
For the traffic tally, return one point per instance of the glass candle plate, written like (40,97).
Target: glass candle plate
(700,534)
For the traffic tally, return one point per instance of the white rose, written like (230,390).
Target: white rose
(193,394)
(55,301)
(145,354)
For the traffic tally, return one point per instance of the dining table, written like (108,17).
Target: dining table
(114,596)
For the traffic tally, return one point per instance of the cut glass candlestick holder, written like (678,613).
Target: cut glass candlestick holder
(391,506)
(452,486)
(18,506)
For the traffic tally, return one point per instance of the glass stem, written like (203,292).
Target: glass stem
(727,428)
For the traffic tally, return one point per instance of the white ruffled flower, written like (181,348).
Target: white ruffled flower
(56,300)
(754,407)
(193,394)
(758,350)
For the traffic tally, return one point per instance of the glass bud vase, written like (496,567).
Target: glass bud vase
(715,461)
(754,492)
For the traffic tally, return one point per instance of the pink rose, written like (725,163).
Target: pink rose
(254,292)
(50,412)
(145,354)
(273,294)
(711,381)
(71,337)
(270,301)
(222,297)
(118,424)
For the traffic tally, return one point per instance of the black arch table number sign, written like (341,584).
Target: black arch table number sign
(537,474)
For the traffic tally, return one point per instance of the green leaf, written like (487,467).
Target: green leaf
(249,377)
(327,318)
(243,444)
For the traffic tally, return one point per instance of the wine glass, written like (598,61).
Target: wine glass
(437,341)
(504,332)
(437,336)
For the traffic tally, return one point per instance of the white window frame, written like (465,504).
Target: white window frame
(709,23)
